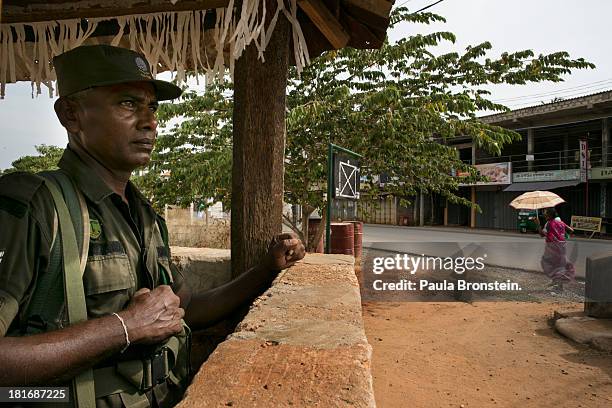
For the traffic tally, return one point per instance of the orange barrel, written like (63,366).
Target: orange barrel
(358,238)
(342,238)
(313,225)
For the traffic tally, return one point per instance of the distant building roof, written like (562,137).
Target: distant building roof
(580,109)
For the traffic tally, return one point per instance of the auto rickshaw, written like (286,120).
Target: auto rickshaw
(526,220)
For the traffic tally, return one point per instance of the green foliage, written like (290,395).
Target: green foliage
(192,160)
(47,159)
(397,106)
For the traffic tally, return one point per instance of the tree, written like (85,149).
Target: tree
(398,106)
(47,159)
(192,160)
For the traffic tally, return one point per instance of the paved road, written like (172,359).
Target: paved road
(506,249)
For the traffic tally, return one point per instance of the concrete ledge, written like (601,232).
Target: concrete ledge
(302,344)
(598,285)
(583,329)
(203,268)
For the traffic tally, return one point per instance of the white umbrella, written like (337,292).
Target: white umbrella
(535,200)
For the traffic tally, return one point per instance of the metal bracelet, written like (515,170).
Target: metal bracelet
(125,331)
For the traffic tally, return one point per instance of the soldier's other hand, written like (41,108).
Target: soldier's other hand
(284,251)
(153,315)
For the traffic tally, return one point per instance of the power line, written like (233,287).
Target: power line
(407,1)
(423,9)
(597,84)
(602,85)
(426,7)
(573,95)
(520,105)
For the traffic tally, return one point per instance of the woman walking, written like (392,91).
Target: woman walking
(554,261)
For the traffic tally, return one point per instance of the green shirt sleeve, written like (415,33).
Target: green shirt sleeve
(24,249)
(177,277)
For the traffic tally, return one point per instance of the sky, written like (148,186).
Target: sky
(545,26)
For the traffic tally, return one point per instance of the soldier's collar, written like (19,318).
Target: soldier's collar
(136,192)
(88,182)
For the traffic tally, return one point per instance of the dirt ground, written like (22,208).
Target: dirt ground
(484,354)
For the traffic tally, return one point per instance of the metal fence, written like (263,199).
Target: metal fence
(551,160)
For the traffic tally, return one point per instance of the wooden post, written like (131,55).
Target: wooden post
(530,147)
(472,209)
(446,213)
(605,141)
(602,199)
(473,192)
(565,151)
(421,209)
(259,147)
(396,220)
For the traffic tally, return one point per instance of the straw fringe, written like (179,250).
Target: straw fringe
(180,41)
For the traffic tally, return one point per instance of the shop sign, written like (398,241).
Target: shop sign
(549,175)
(601,173)
(592,224)
(497,173)
(584,161)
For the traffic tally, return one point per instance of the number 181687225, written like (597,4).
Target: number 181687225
(34,394)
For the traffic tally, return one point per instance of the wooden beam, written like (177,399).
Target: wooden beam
(325,21)
(259,147)
(381,8)
(50,11)
(362,36)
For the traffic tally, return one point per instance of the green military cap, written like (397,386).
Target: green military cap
(89,66)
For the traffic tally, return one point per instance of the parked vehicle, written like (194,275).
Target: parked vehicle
(526,220)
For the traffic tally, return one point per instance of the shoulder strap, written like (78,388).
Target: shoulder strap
(75,293)
(77,208)
(47,303)
(163,229)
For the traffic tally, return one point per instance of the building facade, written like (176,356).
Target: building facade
(548,157)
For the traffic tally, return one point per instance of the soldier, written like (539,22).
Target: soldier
(134,338)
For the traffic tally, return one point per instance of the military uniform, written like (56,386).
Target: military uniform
(126,248)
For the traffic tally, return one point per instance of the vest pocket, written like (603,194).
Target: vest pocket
(107,273)
(164,271)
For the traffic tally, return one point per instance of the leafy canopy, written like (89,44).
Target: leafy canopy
(398,106)
(47,159)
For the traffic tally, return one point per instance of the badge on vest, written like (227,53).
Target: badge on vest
(95,229)
(1,255)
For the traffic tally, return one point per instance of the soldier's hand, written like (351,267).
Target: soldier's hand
(153,315)
(284,251)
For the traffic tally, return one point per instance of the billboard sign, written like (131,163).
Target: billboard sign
(592,224)
(497,173)
(584,161)
(601,173)
(549,175)
(346,177)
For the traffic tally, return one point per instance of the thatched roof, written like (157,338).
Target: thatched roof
(206,36)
